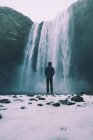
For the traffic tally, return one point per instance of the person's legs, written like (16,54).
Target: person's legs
(47,85)
(51,85)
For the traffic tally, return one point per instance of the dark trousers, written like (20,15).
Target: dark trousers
(49,85)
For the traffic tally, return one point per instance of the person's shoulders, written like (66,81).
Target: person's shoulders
(53,68)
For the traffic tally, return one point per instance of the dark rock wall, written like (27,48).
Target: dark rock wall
(81,64)
(14,29)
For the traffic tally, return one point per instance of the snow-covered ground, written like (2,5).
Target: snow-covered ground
(46,122)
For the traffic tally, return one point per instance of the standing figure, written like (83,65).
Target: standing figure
(49,72)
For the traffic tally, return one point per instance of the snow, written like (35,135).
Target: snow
(46,122)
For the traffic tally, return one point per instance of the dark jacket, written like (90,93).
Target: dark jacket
(49,72)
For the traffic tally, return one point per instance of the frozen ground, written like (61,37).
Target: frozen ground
(46,122)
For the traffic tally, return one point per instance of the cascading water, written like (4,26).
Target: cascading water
(54,46)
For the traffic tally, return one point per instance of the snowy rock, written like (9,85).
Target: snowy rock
(33,99)
(14,96)
(30,103)
(40,104)
(23,107)
(66,102)
(41,98)
(49,103)
(77,98)
(6,101)
(1,116)
(1,106)
(20,100)
(56,104)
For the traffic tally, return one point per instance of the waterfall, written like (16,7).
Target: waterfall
(54,46)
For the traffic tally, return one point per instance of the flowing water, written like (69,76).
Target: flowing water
(54,46)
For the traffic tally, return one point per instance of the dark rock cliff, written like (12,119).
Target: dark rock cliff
(14,29)
(81,64)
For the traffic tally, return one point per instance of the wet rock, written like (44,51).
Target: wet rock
(56,104)
(5,101)
(23,107)
(1,116)
(19,100)
(66,102)
(77,98)
(40,104)
(3,109)
(41,98)
(63,129)
(30,95)
(14,96)
(49,103)
(29,103)
(1,106)
(33,99)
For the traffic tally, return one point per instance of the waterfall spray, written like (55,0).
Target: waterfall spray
(53,46)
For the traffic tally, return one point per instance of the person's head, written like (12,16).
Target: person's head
(49,64)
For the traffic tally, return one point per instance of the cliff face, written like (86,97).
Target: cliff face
(81,64)
(14,29)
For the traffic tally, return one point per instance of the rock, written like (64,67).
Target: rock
(23,107)
(33,99)
(1,116)
(20,100)
(29,103)
(40,104)
(30,95)
(6,101)
(14,96)
(41,98)
(56,104)
(77,98)
(66,102)
(1,106)
(14,29)
(49,103)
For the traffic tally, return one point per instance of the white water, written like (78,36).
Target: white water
(54,46)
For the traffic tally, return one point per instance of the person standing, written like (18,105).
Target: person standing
(49,73)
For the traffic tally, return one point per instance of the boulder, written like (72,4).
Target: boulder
(56,104)
(5,101)
(66,102)
(77,98)
(1,116)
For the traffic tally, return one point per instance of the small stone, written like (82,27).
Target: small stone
(1,106)
(6,101)
(56,104)
(23,107)
(29,103)
(33,99)
(1,116)
(40,104)
(66,102)
(41,98)
(49,103)
(14,96)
